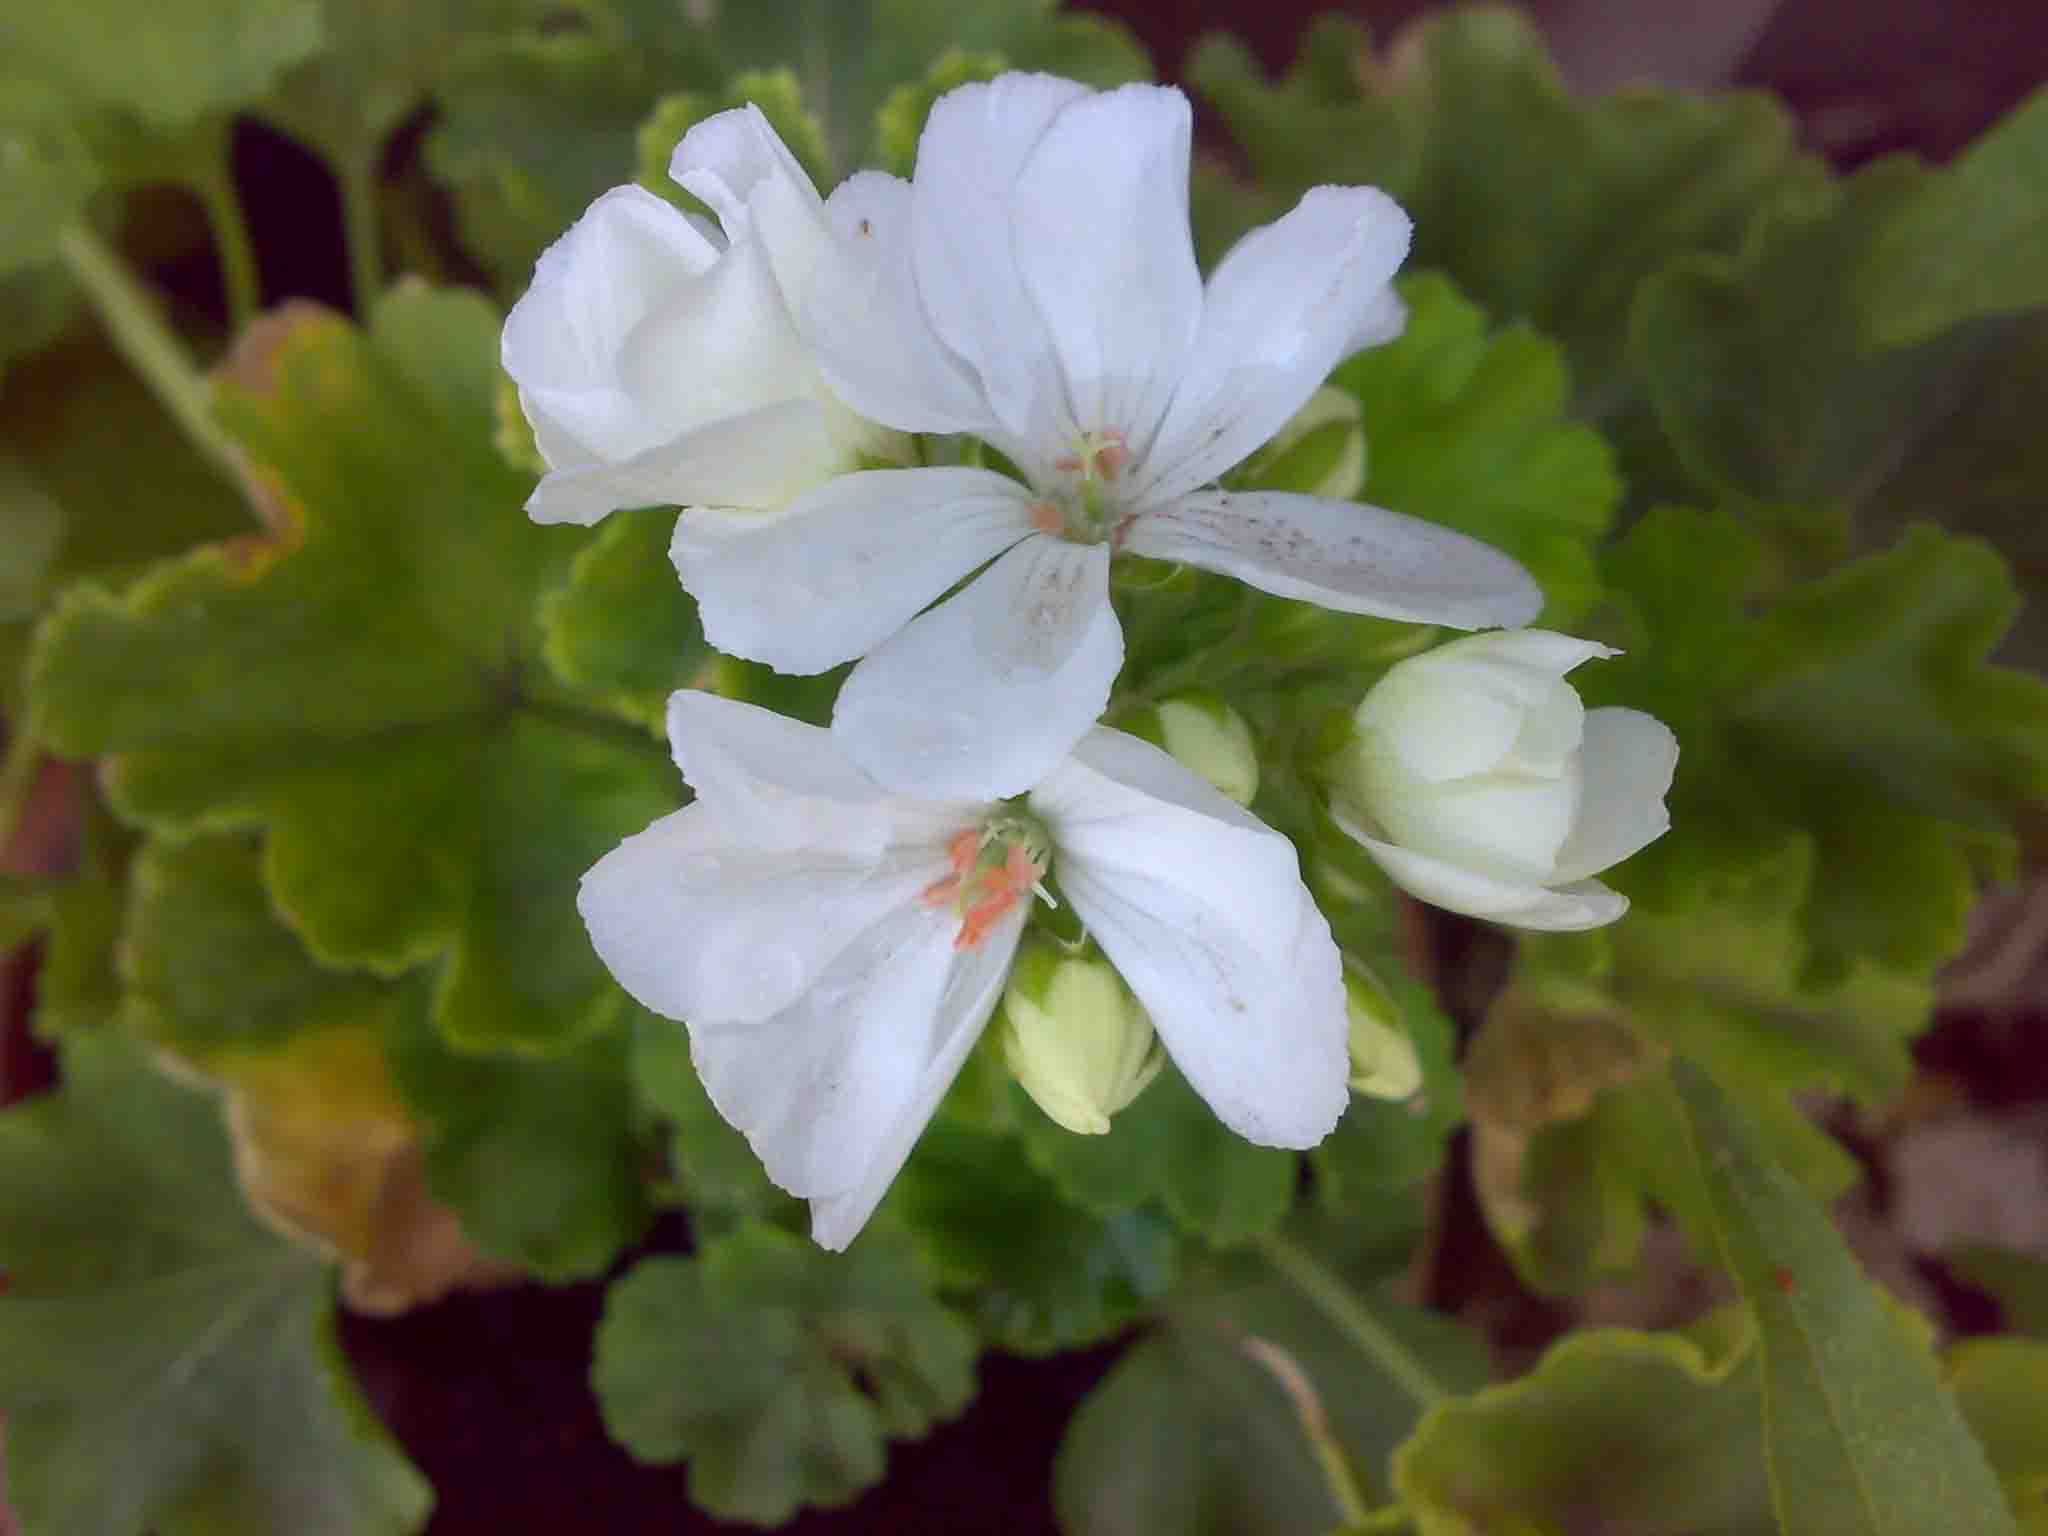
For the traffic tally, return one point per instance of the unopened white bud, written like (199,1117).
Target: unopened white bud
(1321,452)
(1075,1037)
(1204,734)
(1383,1060)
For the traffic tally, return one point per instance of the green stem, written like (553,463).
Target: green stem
(358,177)
(1354,1320)
(231,241)
(142,336)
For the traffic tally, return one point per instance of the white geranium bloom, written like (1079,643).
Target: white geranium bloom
(835,950)
(656,356)
(1477,780)
(1035,286)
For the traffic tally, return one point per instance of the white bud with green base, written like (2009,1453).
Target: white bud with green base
(1383,1060)
(1076,1038)
(1204,734)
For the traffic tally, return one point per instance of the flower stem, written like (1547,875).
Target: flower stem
(142,337)
(216,190)
(1354,1320)
(358,177)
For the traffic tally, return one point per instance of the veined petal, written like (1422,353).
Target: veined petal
(1341,555)
(616,268)
(973,987)
(826,1089)
(1628,759)
(764,457)
(1099,230)
(863,319)
(737,164)
(1202,910)
(1284,307)
(1551,909)
(846,567)
(975,145)
(979,698)
(698,926)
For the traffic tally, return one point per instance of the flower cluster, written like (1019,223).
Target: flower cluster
(915,426)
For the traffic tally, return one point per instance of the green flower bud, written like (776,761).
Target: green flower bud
(1203,733)
(1383,1060)
(1321,452)
(1076,1038)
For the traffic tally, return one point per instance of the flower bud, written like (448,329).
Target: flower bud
(1477,780)
(1383,1060)
(1203,733)
(1321,452)
(1076,1038)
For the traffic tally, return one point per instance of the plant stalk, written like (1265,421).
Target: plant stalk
(1354,1320)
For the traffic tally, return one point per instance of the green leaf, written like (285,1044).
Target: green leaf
(1467,427)
(1655,1434)
(778,1370)
(1544,207)
(364,687)
(2017,1281)
(24,910)
(1168,1146)
(1974,243)
(47,172)
(1249,1409)
(774,91)
(1860,1434)
(1037,1274)
(538,1158)
(77,987)
(147,1311)
(622,629)
(2000,1384)
(167,63)
(719,1175)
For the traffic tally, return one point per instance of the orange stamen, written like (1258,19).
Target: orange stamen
(1045,517)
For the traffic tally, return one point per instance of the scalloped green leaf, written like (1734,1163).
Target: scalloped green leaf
(1466,426)
(47,172)
(622,629)
(1037,1274)
(2000,1384)
(717,1173)
(1545,207)
(364,685)
(539,1159)
(778,95)
(1170,1147)
(1859,1433)
(1656,1434)
(779,1371)
(147,1310)
(1974,243)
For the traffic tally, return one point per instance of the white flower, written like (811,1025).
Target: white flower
(836,950)
(657,358)
(1036,286)
(1477,780)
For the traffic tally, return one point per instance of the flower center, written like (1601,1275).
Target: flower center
(1083,511)
(995,866)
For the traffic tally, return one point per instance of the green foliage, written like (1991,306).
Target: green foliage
(48,174)
(1999,1385)
(780,100)
(362,686)
(778,1371)
(714,1168)
(166,1363)
(1859,1433)
(1468,428)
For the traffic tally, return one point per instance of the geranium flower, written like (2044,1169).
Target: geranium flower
(1479,782)
(656,357)
(836,950)
(1035,286)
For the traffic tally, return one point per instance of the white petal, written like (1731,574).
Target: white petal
(1099,228)
(845,567)
(1505,826)
(863,320)
(1561,909)
(765,457)
(623,263)
(980,697)
(1341,555)
(975,145)
(1285,305)
(1628,759)
(737,164)
(972,991)
(1202,910)
(832,1091)
(697,926)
